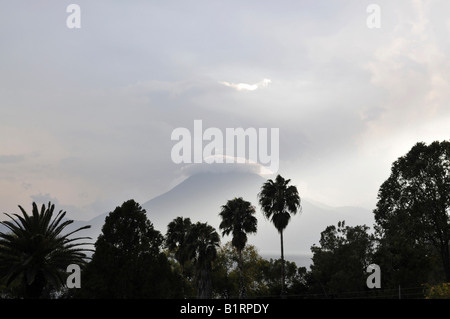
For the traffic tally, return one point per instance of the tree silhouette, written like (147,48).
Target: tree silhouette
(237,219)
(128,261)
(202,243)
(177,232)
(414,202)
(339,262)
(278,200)
(37,252)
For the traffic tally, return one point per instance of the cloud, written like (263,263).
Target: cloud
(92,112)
(236,167)
(26,185)
(411,69)
(9,159)
(248,87)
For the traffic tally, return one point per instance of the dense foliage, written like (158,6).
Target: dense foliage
(128,261)
(35,253)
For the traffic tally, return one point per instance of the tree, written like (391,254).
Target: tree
(340,262)
(414,202)
(237,219)
(405,262)
(226,273)
(262,276)
(177,232)
(36,251)
(202,243)
(441,291)
(128,261)
(278,201)
(295,277)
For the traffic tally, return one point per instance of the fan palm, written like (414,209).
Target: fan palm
(237,219)
(202,242)
(278,200)
(36,251)
(177,231)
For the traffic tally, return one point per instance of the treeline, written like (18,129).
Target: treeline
(188,262)
(131,259)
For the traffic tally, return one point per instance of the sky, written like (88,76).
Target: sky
(86,114)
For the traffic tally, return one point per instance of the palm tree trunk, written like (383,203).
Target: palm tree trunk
(241,276)
(204,285)
(182,281)
(283,292)
(35,289)
(446,260)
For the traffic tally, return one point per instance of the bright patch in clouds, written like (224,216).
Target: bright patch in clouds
(247,87)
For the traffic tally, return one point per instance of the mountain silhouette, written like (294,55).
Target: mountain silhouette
(201,196)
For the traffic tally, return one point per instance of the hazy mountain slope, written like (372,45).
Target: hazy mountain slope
(201,196)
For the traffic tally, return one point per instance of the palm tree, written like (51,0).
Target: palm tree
(278,200)
(36,252)
(202,242)
(237,219)
(177,232)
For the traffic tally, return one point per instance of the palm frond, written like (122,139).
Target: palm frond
(36,246)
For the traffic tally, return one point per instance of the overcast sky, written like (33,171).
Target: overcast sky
(86,114)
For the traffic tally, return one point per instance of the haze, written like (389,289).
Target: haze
(86,114)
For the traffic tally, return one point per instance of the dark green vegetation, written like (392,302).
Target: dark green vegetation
(278,201)
(131,259)
(128,261)
(34,255)
(237,218)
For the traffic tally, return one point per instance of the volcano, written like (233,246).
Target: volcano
(201,196)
